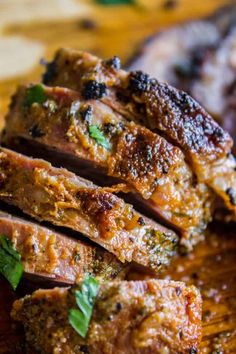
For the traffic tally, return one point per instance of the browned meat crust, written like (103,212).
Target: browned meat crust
(141,158)
(148,317)
(56,257)
(157,105)
(59,196)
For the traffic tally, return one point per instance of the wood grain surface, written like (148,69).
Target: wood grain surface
(29,31)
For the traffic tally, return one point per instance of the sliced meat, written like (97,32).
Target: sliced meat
(160,107)
(154,316)
(56,195)
(56,257)
(146,162)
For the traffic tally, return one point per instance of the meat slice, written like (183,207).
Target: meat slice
(160,107)
(53,256)
(56,195)
(150,166)
(154,316)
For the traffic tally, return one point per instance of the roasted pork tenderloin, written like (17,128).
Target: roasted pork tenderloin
(151,317)
(151,167)
(159,107)
(51,256)
(56,195)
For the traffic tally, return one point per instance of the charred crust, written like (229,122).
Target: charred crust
(122,97)
(113,63)
(138,82)
(97,203)
(232,195)
(51,72)
(36,132)
(94,90)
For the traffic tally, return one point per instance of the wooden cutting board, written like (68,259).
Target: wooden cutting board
(30,30)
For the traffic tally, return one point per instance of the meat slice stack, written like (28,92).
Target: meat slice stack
(132,135)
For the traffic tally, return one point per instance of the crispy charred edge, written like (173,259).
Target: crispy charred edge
(81,258)
(115,303)
(162,99)
(135,159)
(101,209)
(141,160)
(190,127)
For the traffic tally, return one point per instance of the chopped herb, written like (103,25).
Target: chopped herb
(97,135)
(115,2)
(35,94)
(10,263)
(79,318)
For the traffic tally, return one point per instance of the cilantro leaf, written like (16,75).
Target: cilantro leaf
(97,135)
(35,94)
(10,262)
(79,318)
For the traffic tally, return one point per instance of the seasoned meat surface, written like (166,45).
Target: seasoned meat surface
(53,256)
(160,107)
(143,317)
(56,195)
(146,162)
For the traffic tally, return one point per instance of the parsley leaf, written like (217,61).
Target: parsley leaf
(35,94)
(79,318)
(115,2)
(10,262)
(97,135)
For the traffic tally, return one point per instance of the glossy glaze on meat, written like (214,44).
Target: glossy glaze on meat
(150,166)
(52,256)
(160,107)
(143,317)
(64,199)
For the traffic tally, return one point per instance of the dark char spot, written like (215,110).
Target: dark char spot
(94,90)
(138,82)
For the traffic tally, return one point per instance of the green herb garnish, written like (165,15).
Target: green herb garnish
(10,262)
(79,318)
(98,135)
(115,2)
(35,94)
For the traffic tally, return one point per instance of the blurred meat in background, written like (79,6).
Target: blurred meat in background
(200,58)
